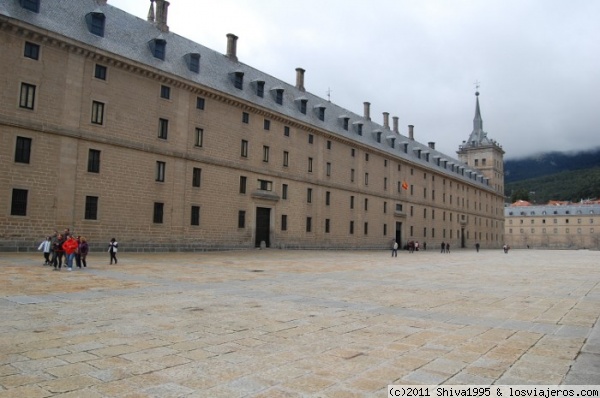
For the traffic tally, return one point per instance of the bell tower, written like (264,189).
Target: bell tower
(483,153)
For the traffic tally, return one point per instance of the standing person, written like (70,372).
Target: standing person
(78,253)
(477,247)
(46,246)
(395,249)
(57,252)
(447,247)
(113,246)
(417,245)
(70,247)
(443,247)
(84,249)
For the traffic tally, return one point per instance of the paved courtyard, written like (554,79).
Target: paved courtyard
(274,323)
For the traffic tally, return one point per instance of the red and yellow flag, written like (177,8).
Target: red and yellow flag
(404,185)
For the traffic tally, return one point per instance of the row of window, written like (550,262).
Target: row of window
(20,196)
(554,230)
(555,221)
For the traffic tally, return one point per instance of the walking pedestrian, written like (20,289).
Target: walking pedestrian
(113,246)
(443,247)
(84,249)
(395,249)
(57,252)
(46,246)
(70,247)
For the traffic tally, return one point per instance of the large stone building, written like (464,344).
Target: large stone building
(113,126)
(556,225)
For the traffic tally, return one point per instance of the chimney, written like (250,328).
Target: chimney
(386,120)
(162,7)
(151,12)
(367,110)
(395,121)
(411,133)
(232,47)
(431,145)
(300,79)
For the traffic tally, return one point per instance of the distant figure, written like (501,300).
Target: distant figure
(424,245)
(395,249)
(443,247)
(84,249)
(506,248)
(417,245)
(477,247)
(46,246)
(447,247)
(113,246)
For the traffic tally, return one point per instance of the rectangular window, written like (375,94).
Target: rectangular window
(260,89)
(32,50)
(327,198)
(284,222)
(327,225)
(352,202)
(286,158)
(23,150)
(157,217)
(241,219)
(308,224)
(310,165)
(351,175)
(238,80)
(322,113)
(366,204)
(384,229)
(91,208)
(93,161)
(310,138)
(100,72)
(265,153)
(200,102)
(303,106)
(163,128)
(31,5)
(199,137)
(160,171)
(195,215)
(279,97)
(286,131)
(284,191)
(196,177)
(267,124)
(351,228)
(366,178)
(309,195)
(328,144)
(18,206)
(366,157)
(265,185)
(366,228)
(27,99)
(384,207)
(194,63)
(352,152)
(97,112)
(244,150)
(165,92)
(243,180)
(245,117)
(328,169)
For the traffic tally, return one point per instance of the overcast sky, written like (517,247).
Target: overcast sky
(537,61)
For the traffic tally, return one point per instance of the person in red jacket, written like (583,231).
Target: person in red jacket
(70,247)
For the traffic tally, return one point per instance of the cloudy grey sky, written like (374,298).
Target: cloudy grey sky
(537,61)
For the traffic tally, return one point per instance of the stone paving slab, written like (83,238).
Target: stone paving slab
(276,323)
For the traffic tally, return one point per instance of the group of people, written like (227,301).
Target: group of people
(72,248)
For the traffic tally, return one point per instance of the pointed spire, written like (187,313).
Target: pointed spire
(478,136)
(151,12)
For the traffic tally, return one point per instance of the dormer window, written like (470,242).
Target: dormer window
(193,62)
(303,105)
(359,128)
(345,122)
(95,22)
(392,140)
(260,88)
(31,5)
(320,109)
(238,80)
(377,136)
(278,95)
(158,47)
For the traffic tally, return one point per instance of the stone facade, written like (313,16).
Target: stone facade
(112,145)
(567,226)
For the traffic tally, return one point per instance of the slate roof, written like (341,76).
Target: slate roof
(129,36)
(573,209)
